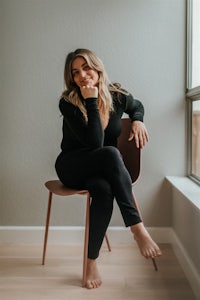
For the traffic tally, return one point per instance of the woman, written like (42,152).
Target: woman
(92,111)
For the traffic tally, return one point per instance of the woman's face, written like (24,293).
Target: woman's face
(82,74)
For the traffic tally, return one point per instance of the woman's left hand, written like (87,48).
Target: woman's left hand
(139,133)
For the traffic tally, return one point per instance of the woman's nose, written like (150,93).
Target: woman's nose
(82,73)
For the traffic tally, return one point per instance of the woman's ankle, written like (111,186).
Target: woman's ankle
(138,228)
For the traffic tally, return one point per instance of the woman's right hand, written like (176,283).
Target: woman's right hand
(89,91)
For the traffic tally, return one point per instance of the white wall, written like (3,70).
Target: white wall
(185,196)
(142,44)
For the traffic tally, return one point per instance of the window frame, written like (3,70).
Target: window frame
(192,94)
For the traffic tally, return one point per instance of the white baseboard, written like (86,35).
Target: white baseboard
(70,235)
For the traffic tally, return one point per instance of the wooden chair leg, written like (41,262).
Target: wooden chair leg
(107,242)
(86,239)
(136,206)
(154,264)
(47,228)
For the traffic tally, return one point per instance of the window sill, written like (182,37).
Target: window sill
(187,187)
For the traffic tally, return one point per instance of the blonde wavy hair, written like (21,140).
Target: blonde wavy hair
(72,92)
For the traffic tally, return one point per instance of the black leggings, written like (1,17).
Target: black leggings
(104,174)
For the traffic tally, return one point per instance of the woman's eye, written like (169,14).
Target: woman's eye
(86,68)
(75,73)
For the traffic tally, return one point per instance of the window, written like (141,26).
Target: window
(196,138)
(193,88)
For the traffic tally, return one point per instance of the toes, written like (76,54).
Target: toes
(90,284)
(151,253)
(93,284)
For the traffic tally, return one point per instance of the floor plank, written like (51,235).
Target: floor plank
(126,275)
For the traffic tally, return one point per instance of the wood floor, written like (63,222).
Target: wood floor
(126,275)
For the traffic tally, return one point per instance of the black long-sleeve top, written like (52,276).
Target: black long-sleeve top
(79,134)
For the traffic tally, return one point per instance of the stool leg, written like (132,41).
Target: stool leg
(86,239)
(47,227)
(136,206)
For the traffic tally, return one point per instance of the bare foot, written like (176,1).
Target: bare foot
(93,278)
(148,248)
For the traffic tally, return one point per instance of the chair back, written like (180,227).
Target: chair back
(129,151)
